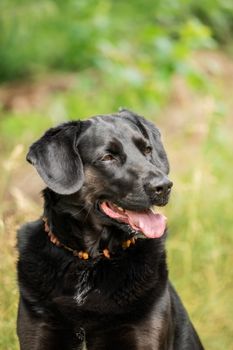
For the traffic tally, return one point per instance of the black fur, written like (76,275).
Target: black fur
(125,302)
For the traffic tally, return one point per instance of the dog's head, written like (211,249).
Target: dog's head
(114,163)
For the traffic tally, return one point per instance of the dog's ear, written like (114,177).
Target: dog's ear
(151,132)
(57,160)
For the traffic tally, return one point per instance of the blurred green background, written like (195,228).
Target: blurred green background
(169,60)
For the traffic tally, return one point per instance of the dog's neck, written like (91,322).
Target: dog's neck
(84,255)
(78,228)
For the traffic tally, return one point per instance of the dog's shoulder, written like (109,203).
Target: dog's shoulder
(183,328)
(28,233)
(37,268)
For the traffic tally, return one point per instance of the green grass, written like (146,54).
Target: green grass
(200,240)
(8,291)
(199,249)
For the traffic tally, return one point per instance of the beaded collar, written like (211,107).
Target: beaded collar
(80,253)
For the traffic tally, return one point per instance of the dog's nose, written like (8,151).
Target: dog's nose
(163,188)
(159,190)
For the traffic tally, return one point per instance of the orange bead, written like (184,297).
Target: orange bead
(106,253)
(80,255)
(126,244)
(85,255)
(133,240)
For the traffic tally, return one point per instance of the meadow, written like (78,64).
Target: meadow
(180,76)
(196,129)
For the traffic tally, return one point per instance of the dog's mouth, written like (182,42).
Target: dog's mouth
(147,222)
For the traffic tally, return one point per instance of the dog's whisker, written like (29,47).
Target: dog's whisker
(88,212)
(82,209)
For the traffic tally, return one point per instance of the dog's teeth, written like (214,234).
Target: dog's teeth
(121,209)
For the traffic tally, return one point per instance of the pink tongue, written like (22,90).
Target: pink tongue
(151,224)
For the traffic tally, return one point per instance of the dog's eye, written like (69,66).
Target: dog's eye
(148,150)
(107,157)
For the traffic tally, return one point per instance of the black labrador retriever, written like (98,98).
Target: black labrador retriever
(92,270)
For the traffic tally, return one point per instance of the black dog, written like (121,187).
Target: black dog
(92,270)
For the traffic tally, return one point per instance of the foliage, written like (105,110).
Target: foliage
(136,41)
(218,15)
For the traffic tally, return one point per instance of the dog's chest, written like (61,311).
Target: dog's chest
(152,333)
(149,335)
